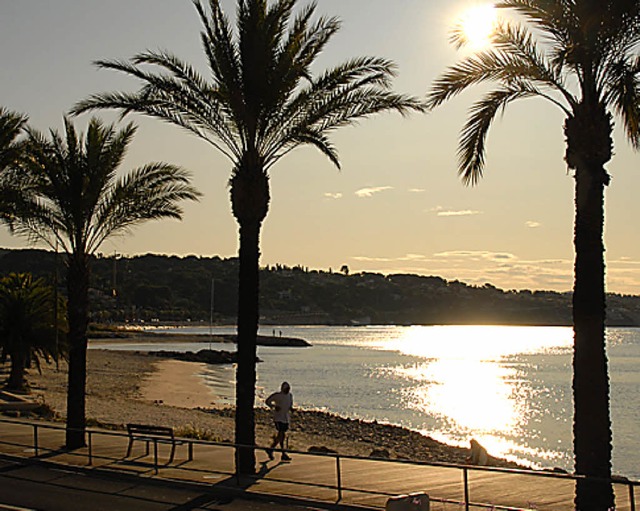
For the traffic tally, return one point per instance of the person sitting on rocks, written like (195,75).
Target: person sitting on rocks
(478,455)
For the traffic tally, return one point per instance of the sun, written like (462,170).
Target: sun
(477,25)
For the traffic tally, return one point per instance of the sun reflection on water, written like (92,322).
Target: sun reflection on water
(473,396)
(471,382)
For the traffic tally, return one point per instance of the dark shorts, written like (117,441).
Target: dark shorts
(282,427)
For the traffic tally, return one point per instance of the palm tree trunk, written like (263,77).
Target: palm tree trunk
(250,203)
(248,306)
(16,379)
(78,311)
(592,423)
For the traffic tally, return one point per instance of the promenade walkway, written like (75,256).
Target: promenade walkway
(321,480)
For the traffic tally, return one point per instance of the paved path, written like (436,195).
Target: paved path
(53,488)
(314,479)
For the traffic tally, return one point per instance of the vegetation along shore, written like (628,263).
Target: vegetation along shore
(156,287)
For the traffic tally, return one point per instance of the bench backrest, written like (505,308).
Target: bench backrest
(148,430)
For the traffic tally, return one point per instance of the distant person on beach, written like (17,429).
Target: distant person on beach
(281,403)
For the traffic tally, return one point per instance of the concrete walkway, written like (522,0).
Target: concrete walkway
(322,481)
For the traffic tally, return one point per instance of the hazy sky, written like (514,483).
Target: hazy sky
(396,206)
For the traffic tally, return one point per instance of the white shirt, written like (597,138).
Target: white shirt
(281,404)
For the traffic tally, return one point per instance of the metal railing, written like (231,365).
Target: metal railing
(339,487)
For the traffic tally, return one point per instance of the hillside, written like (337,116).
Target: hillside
(169,288)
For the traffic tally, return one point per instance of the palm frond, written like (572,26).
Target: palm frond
(179,98)
(556,19)
(489,65)
(261,95)
(12,126)
(151,192)
(623,94)
(471,150)
(332,98)
(67,192)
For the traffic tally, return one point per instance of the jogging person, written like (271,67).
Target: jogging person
(281,404)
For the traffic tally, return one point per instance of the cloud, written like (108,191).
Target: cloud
(502,269)
(404,258)
(625,261)
(464,212)
(417,190)
(330,195)
(476,255)
(367,259)
(532,224)
(369,192)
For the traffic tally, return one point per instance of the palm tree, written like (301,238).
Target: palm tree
(27,325)
(580,56)
(12,125)
(261,102)
(70,195)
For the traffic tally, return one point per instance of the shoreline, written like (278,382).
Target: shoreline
(127,386)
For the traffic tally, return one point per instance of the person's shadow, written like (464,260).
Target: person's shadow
(225,491)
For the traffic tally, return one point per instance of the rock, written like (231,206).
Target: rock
(380,453)
(321,450)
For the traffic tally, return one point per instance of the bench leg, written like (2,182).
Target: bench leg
(173,451)
(129,448)
(190,451)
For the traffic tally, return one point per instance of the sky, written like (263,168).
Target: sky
(396,206)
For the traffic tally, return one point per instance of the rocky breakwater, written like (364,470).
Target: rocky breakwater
(205,356)
(271,340)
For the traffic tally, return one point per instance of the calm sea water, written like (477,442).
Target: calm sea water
(507,387)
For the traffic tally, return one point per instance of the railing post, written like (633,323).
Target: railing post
(465,477)
(35,440)
(632,498)
(236,452)
(90,448)
(339,478)
(155,454)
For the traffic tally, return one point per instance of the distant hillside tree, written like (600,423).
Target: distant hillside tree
(581,55)
(261,102)
(68,194)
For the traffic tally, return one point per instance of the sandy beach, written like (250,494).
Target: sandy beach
(135,387)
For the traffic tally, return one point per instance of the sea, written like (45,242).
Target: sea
(508,387)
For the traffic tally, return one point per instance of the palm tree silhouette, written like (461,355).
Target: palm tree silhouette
(27,325)
(12,126)
(261,102)
(580,56)
(67,192)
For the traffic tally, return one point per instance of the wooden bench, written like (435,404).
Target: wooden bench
(157,435)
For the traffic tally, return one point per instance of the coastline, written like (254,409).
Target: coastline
(127,386)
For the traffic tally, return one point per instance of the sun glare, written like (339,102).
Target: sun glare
(477,25)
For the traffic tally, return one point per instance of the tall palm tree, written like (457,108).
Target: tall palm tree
(581,55)
(70,195)
(12,125)
(261,102)
(27,324)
